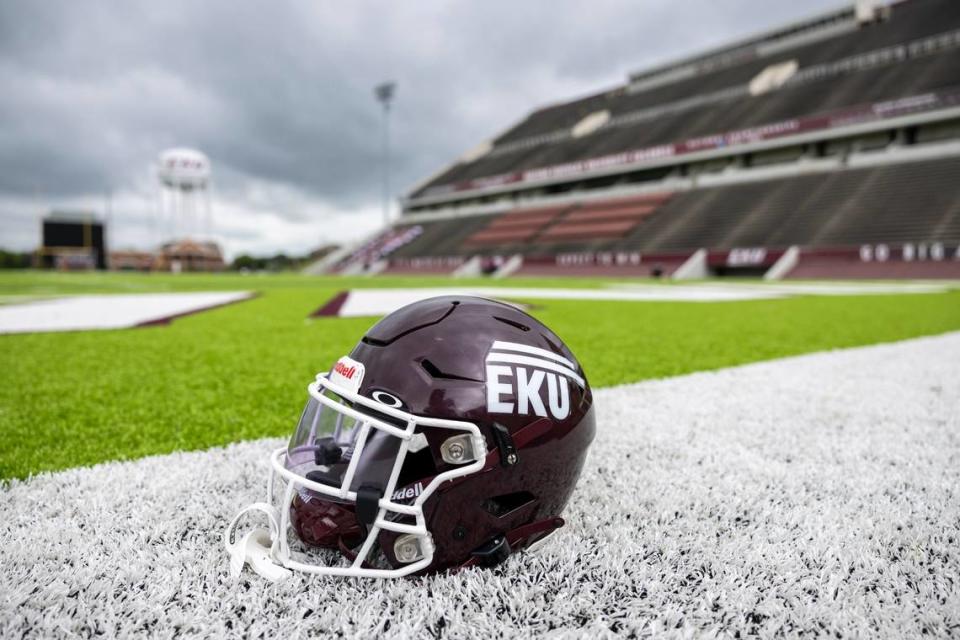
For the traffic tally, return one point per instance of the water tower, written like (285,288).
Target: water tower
(184,176)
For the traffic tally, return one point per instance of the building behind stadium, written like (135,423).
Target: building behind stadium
(826,148)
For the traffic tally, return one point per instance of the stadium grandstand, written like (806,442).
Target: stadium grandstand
(825,148)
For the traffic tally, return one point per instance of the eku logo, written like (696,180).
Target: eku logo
(529,367)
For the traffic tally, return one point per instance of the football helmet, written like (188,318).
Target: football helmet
(451,436)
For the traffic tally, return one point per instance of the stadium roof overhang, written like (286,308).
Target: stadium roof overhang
(863,119)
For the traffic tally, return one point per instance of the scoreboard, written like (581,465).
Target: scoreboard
(75,239)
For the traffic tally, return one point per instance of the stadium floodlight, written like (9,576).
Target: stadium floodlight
(384,93)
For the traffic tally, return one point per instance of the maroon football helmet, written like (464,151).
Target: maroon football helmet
(452,435)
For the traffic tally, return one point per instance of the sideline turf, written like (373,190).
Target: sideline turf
(240,372)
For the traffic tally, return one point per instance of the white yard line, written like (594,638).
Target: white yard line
(116,311)
(381,301)
(842,288)
(816,494)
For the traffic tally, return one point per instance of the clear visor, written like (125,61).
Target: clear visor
(327,440)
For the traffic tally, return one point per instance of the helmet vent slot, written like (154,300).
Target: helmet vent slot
(435,372)
(385,340)
(553,345)
(512,323)
(500,506)
(373,342)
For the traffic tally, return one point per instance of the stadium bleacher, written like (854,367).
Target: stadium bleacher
(869,76)
(517,227)
(838,136)
(913,20)
(377,249)
(915,202)
(604,219)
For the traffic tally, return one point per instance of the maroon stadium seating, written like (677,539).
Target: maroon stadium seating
(516,226)
(604,219)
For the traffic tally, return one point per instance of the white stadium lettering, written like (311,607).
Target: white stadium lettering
(908,252)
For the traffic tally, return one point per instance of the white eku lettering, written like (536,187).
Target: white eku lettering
(526,388)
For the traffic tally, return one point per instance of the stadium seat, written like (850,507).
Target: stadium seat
(516,226)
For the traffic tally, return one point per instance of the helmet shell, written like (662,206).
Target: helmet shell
(432,357)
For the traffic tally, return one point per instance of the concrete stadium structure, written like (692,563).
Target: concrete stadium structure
(826,148)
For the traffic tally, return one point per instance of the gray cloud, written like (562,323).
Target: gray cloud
(279,94)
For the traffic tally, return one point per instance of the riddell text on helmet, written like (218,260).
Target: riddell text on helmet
(344,370)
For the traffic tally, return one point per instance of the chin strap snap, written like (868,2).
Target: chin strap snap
(258,547)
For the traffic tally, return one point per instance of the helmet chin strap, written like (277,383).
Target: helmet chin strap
(500,548)
(257,547)
(368,504)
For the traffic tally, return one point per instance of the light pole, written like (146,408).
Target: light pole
(384,93)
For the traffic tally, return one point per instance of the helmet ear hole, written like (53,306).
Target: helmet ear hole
(504,505)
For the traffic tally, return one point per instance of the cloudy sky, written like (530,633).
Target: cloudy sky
(279,95)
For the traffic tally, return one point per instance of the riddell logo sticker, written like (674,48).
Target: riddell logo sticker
(344,370)
(408,493)
(518,374)
(347,373)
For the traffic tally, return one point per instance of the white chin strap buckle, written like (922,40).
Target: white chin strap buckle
(255,548)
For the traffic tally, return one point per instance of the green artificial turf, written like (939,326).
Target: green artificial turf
(240,371)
